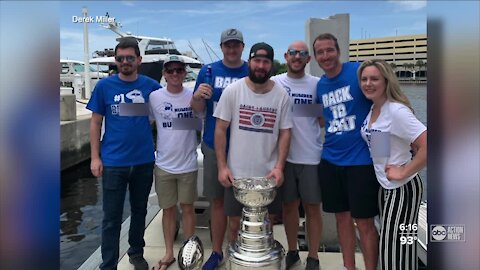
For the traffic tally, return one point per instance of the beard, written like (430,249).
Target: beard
(126,69)
(259,79)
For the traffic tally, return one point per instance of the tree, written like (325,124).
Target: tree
(420,64)
(410,67)
(278,68)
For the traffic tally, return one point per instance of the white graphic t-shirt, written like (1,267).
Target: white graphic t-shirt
(305,144)
(176,149)
(255,122)
(399,123)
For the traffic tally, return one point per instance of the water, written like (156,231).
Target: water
(417,94)
(81,197)
(81,215)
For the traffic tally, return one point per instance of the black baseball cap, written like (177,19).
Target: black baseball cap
(261,46)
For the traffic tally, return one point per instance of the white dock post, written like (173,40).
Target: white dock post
(86,59)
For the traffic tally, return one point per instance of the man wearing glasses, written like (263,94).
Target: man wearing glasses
(207,94)
(124,157)
(301,168)
(176,162)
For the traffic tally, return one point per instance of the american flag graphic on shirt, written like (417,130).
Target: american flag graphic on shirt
(257,119)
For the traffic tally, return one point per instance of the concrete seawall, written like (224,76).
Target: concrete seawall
(74,141)
(75,137)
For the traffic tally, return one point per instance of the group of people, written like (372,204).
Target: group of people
(364,166)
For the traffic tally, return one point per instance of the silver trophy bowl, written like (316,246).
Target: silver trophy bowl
(254,192)
(255,246)
(190,256)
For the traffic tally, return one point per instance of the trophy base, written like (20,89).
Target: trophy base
(273,259)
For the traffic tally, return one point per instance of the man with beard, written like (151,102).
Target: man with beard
(204,100)
(126,155)
(257,110)
(301,168)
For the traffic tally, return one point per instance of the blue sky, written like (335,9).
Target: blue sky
(275,22)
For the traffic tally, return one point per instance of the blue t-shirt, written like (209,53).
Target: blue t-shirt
(127,140)
(344,108)
(222,76)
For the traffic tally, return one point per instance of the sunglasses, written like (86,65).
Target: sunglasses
(292,52)
(171,70)
(129,58)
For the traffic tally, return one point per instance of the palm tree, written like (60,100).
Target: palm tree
(410,67)
(420,64)
(421,67)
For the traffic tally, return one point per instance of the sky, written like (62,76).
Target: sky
(275,22)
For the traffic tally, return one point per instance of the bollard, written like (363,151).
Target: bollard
(68,107)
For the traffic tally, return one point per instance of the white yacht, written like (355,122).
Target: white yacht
(153,51)
(72,76)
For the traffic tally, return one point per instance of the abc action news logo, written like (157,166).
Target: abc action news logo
(447,233)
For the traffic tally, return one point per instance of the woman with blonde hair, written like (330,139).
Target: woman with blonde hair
(391,130)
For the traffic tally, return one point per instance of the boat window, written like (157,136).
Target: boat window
(78,67)
(64,69)
(81,67)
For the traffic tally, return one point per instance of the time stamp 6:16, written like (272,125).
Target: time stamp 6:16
(408,233)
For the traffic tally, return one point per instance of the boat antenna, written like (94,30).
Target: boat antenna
(193,50)
(208,47)
(115,27)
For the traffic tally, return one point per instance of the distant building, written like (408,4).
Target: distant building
(400,51)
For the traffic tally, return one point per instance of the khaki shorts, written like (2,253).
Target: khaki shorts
(172,188)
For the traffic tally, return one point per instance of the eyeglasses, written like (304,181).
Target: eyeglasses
(129,58)
(292,52)
(171,70)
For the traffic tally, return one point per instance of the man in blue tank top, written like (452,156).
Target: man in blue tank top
(347,177)
(124,157)
(204,100)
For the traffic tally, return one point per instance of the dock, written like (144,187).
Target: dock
(155,244)
(155,247)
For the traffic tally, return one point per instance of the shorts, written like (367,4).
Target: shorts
(234,208)
(349,188)
(212,189)
(172,188)
(301,182)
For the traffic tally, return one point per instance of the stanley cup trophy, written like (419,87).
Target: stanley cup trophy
(255,246)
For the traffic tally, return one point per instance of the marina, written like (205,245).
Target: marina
(81,211)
